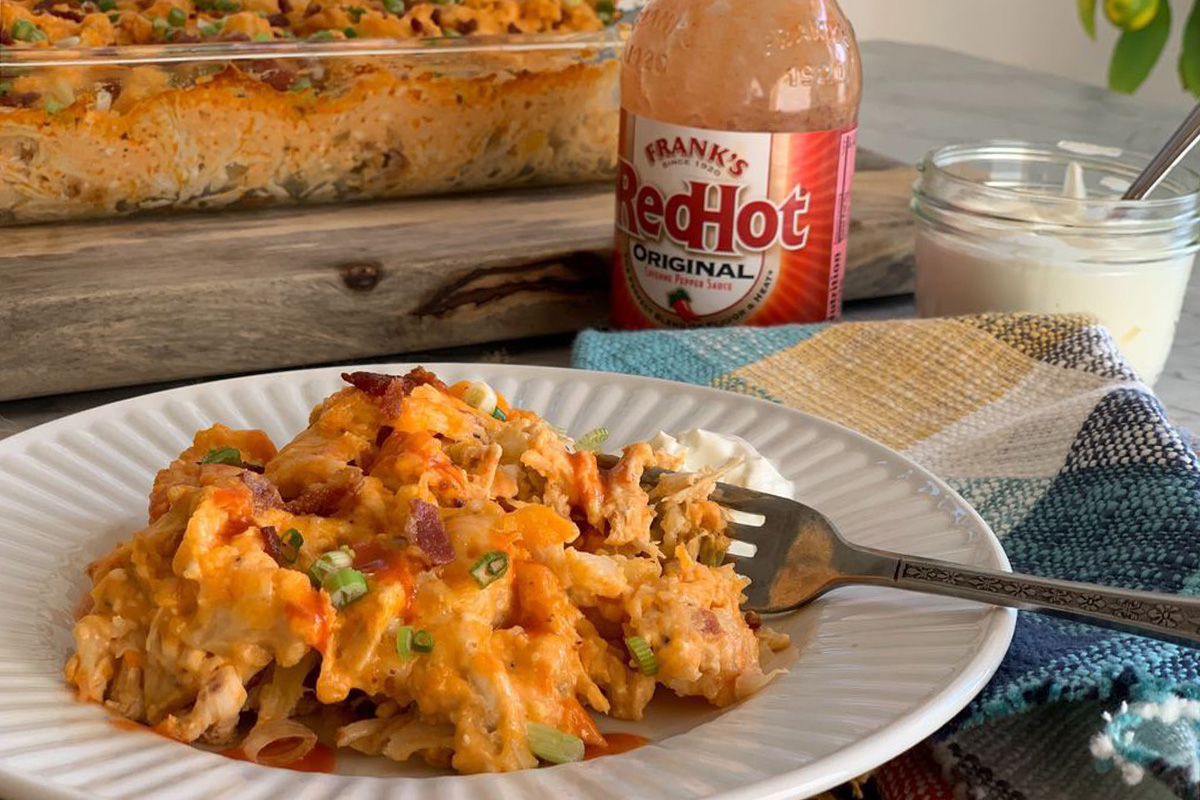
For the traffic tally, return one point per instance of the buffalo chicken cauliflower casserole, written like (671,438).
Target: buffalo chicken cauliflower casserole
(112,107)
(440,574)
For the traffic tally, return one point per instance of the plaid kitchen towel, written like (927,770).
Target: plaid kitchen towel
(1043,427)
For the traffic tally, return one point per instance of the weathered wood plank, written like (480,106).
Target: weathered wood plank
(95,305)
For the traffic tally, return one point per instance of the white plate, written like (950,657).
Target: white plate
(877,672)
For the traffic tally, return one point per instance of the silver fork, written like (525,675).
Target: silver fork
(799,556)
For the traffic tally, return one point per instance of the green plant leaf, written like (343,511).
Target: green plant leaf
(1087,16)
(1189,58)
(1137,52)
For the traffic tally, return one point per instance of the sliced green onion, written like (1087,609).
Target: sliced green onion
(490,567)
(710,555)
(404,640)
(350,33)
(262,37)
(329,564)
(53,106)
(5,87)
(107,5)
(320,36)
(114,17)
(606,11)
(409,641)
(26,31)
(212,28)
(498,413)
(394,6)
(450,33)
(345,586)
(223,455)
(356,13)
(292,541)
(159,25)
(551,744)
(481,396)
(301,85)
(176,18)
(228,6)
(592,439)
(642,654)
(422,642)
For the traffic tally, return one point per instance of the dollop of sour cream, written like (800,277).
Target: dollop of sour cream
(702,448)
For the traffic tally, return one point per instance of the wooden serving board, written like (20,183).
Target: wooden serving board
(124,302)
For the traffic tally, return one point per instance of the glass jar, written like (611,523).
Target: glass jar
(1015,226)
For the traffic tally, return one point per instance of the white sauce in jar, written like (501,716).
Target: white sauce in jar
(1018,250)
(1139,304)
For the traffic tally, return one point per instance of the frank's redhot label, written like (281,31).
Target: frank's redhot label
(729,228)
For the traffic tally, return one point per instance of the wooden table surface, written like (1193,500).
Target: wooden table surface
(916,98)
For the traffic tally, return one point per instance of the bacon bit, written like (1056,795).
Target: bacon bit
(279,20)
(234,36)
(468,26)
(435,17)
(23,100)
(385,431)
(391,390)
(753,620)
(264,492)
(113,87)
(285,6)
(375,384)
(514,28)
(272,73)
(48,7)
(395,156)
(271,542)
(425,530)
(324,501)
(6,37)
(312,10)
(706,621)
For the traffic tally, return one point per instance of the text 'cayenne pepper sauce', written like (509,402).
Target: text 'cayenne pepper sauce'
(738,122)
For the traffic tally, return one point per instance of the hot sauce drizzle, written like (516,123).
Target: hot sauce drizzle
(313,617)
(384,563)
(322,758)
(615,743)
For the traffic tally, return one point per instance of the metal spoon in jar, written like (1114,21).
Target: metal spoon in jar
(1178,146)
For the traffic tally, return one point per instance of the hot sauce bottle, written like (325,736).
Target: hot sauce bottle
(738,122)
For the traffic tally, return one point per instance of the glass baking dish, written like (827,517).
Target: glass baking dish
(121,130)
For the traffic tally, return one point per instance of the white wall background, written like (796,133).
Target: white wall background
(1042,35)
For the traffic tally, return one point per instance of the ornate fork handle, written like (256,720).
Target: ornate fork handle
(1163,616)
